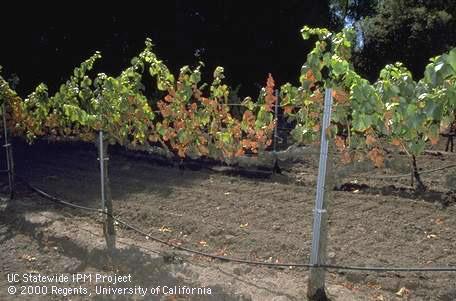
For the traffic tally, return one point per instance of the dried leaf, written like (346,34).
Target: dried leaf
(165,229)
(340,96)
(340,143)
(346,157)
(376,157)
(317,97)
(434,139)
(310,76)
(168,98)
(370,140)
(402,292)
(181,151)
(396,142)
(287,109)
(239,152)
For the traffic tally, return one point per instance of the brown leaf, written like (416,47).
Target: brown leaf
(340,96)
(346,157)
(370,140)
(287,109)
(434,139)
(377,157)
(396,142)
(402,292)
(340,143)
(239,152)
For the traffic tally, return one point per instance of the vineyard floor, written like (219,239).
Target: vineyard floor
(372,223)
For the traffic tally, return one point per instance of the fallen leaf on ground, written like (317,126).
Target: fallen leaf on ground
(379,298)
(402,292)
(164,229)
(29,258)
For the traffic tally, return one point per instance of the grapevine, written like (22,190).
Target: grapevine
(193,119)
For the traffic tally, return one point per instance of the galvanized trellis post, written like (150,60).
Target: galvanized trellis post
(276,168)
(276,114)
(9,154)
(106,200)
(316,285)
(102,159)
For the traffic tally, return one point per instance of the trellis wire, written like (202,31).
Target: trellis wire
(237,260)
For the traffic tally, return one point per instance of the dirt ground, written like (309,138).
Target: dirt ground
(373,222)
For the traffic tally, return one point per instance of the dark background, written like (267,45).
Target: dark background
(43,42)
(248,38)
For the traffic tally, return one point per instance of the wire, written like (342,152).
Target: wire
(390,269)
(238,260)
(327,266)
(408,174)
(55,199)
(223,258)
(437,169)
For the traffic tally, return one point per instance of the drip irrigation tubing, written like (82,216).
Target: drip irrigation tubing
(408,174)
(238,260)
(55,199)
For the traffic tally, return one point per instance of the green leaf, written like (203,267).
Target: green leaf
(305,33)
(433,110)
(134,61)
(248,103)
(361,122)
(452,59)
(416,147)
(339,66)
(226,137)
(182,136)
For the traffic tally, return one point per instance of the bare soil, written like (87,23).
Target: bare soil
(373,222)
